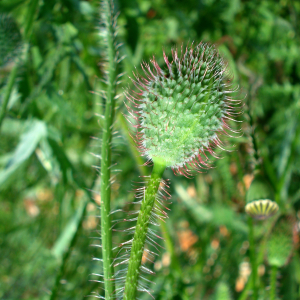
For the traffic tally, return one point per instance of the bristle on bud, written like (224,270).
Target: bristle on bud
(179,112)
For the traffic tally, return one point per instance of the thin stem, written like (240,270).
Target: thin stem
(175,265)
(252,134)
(253,258)
(106,233)
(144,172)
(141,230)
(273,283)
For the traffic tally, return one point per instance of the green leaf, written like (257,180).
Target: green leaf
(65,238)
(200,213)
(36,130)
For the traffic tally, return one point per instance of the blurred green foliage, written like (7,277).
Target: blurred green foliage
(47,217)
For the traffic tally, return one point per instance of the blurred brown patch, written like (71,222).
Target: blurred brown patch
(192,191)
(261,270)
(79,194)
(215,243)
(233,169)
(145,256)
(151,13)
(244,273)
(208,179)
(186,239)
(44,195)
(247,180)
(224,231)
(91,207)
(97,198)
(166,259)
(239,284)
(31,208)
(240,187)
(90,223)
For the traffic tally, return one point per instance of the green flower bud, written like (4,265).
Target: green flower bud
(259,198)
(222,292)
(179,112)
(280,242)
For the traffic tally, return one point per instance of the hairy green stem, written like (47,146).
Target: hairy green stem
(141,230)
(106,233)
(253,258)
(273,283)
(13,74)
(144,172)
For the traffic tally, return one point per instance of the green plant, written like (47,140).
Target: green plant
(179,113)
(259,199)
(222,292)
(109,33)
(50,195)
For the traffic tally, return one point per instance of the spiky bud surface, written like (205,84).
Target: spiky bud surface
(181,110)
(10,39)
(259,198)
(280,242)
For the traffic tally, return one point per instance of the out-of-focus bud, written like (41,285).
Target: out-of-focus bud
(259,198)
(280,242)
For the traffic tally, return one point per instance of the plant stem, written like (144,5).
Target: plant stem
(141,230)
(144,172)
(106,233)
(253,258)
(175,265)
(273,283)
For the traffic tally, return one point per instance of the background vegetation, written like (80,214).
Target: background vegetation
(47,217)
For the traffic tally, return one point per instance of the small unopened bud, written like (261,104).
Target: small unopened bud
(222,292)
(280,242)
(259,198)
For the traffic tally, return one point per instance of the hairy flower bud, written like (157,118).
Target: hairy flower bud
(180,111)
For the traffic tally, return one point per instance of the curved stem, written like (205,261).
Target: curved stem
(141,230)
(273,283)
(253,258)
